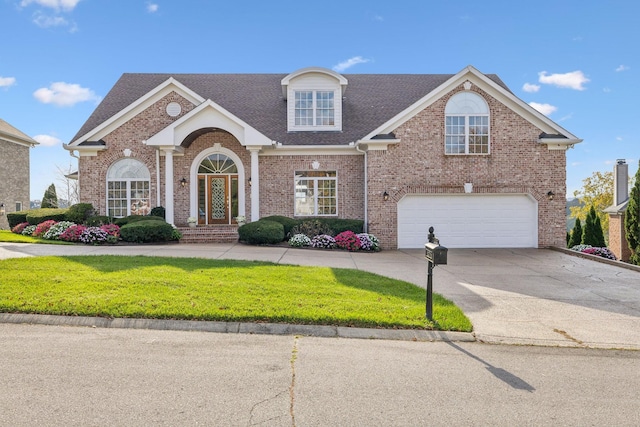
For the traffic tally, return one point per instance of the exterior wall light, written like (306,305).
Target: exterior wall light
(385,196)
(550,195)
(249,181)
(183,182)
(2,210)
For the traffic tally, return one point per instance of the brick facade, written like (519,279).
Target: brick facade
(14,176)
(617,239)
(418,165)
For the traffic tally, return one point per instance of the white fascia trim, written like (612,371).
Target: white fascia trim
(17,140)
(250,134)
(559,143)
(311,150)
(139,105)
(476,77)
(377,144)
(321,70)
(90,151)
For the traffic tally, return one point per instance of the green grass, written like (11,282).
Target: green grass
(8,236)
(201,289)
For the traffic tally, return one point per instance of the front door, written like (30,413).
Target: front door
(218,199)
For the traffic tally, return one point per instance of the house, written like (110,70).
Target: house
(459,152)
(14,173)
(617,236)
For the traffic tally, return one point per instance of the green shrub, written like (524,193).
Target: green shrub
(134,218)
(158,211)
(37,216)
(339,225)
(16,218)
(261,232)
(97,221)
(147,231)
(287,223)
(311,228)
(79,212)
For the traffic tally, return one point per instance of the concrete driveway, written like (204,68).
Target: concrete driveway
(512,296)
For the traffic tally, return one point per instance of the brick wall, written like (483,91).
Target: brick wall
(14,178)
(617,239)
(517,164)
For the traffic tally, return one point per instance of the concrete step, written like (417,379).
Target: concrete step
(209,234)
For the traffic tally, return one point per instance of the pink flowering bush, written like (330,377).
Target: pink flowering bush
(42,228)
(18,229)
(111,229)
(601,252)
(348,240)
(73,233)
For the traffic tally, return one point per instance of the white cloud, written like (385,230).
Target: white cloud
(7,81)
(545,109)
(47,140)
(349,63)
(378,18)
(64,94)
(45,21)
(66,5)
(528,87)
(618,138)
(622,68)
(606,90)
(152,7)
(573,80)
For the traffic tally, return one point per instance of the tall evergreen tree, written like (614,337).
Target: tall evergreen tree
(632,221)
(576,234)
(50,198)
(592,233)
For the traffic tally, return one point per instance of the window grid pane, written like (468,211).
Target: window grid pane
(467,135)
(324,109)
(304,108)
(315,193)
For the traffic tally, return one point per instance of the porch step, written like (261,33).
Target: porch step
(209,234)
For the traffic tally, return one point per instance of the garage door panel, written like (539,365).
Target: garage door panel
(468,220)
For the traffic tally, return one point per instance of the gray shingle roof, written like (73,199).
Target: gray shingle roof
(7,129)
(370,100)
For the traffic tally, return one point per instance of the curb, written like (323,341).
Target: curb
(239,327)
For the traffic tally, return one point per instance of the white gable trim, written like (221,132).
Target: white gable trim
(18,140)
(474,76)
(207,115)
(310,70)
(151,97)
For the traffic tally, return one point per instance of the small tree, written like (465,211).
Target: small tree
(576,234)
(632,221)
(592,232)
(597,191)
(50,198)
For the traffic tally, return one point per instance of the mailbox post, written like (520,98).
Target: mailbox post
(435,255)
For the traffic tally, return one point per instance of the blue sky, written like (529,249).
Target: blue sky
(575,61)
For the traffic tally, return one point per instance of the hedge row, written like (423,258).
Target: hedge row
(275,229)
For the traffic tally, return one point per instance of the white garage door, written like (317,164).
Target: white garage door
(469,221)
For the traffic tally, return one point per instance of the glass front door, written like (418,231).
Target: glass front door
(217,198)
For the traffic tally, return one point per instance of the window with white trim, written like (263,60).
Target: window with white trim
(316,193)
(314,108)
(18,206)
(128,182)
(466,124)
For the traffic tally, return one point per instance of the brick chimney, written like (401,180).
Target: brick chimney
(617,239)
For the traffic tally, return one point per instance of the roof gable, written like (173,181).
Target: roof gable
(11,134)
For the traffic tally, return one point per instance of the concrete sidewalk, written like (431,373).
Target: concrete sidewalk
(512,296)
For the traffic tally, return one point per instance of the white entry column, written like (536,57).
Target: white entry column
(255,184)
(168,184)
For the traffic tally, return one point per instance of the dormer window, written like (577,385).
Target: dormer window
(314,99)
(314,108)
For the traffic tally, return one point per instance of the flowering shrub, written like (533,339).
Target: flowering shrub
(57,229)
(368,242)
(28,230)
(73,233)
(42,228)
(299,241)
(111,229)
(601,252)
(94,235)
(348,240)
(18,229)
(323,241)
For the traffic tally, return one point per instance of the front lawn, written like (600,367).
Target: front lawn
(8,236)
(223,290)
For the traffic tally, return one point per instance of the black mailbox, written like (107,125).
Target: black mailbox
(435,253)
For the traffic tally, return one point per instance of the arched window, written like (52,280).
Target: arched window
(466,124)
(128,182)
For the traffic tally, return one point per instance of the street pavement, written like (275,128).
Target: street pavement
(512,296)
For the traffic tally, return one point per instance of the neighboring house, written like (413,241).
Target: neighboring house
(14,171)
(459,152)
(617,235)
